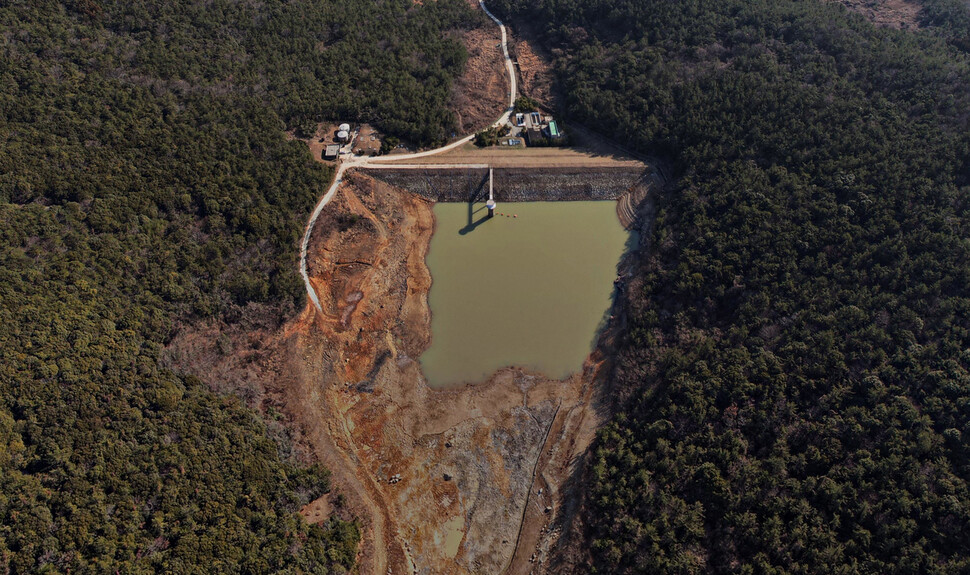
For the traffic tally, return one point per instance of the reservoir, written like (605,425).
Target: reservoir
(530,291)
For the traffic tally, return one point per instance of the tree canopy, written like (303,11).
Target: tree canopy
(793,388)
(146,182)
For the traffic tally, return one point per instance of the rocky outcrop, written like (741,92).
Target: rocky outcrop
(631,205)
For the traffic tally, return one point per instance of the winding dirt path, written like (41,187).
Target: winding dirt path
(377,547)
(342,166)
(475,457)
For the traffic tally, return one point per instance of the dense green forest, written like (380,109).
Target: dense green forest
(793,393)
(146,183)
(949,19)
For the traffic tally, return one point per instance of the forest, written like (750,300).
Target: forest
(792,394)
(146,184)
(949,19)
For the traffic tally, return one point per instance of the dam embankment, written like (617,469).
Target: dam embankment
(516,184)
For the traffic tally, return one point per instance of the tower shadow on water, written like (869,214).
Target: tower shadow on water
(477,196)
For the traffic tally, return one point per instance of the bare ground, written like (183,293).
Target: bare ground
(470,459)
(326,134)
(480,93)
(900,14)
(533,66)
(368,142)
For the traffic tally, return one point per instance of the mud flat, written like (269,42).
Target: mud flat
(422,467)
(443,481)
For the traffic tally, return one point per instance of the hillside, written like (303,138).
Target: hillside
(146,185)
(793,389)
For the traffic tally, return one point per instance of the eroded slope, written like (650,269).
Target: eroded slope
(442,478)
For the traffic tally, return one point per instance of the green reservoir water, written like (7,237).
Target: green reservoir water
(531,291)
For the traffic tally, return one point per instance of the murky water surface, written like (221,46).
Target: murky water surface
(531,290)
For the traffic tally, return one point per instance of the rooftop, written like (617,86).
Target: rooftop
(553,129)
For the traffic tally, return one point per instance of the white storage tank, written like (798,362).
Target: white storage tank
(342,135)
(344,127)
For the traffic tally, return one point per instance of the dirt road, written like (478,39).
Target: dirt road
(442,479)
(592,155)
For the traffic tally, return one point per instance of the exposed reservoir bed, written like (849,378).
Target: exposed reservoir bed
(530,291)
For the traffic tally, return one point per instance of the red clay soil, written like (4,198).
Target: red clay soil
(445,481)
(441,481)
